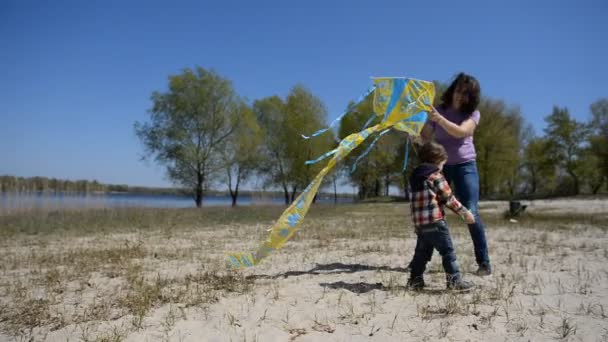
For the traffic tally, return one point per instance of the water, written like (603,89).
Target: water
(12,201)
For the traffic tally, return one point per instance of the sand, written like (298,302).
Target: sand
(341,278)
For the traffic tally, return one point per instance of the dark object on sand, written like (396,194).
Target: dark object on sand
(516,208)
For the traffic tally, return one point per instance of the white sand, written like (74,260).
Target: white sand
(547,283)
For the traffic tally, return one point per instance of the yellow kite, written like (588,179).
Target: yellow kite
(402,102)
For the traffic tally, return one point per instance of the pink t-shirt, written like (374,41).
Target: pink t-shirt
(460,150)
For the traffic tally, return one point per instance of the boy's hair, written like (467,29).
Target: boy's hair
(432,153)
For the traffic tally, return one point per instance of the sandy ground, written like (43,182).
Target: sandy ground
(341,278)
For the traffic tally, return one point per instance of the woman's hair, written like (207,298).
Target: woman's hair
(469,87)
(432,153)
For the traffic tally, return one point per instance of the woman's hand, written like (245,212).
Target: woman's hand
(434,115)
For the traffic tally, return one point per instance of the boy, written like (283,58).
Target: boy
(430,194)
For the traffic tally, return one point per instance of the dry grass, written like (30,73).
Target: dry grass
(135,274)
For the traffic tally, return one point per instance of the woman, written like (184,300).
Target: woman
(453,124)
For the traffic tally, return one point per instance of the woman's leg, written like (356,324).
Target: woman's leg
(466,188)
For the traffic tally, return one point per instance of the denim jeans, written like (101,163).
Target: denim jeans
(430,237)
(464,179)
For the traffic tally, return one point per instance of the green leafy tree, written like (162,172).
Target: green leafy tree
(497,143)
(387,160)
(241,151)
(285,151)
(274,162)
(188,126)
(597,152)
(382,167)
(566,138)
(540,173)
(305,113)
(366,176)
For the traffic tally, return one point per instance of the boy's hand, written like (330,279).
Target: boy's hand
(469,218)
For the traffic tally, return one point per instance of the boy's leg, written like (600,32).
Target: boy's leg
(411,263)
(422,255)
(442,241)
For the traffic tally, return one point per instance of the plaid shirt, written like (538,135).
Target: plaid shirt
(427,203)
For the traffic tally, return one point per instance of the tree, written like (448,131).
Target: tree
(591,172)
(598,144)
(9,183)
(599,121)
(497,143)
(403,178)
(385,157)
(270,115)
(540,170)
(305,113)
(334,177)
(284,150)
(241,151)
(365,176)
(566,137)
(188,125)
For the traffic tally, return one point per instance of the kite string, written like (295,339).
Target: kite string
(407,149)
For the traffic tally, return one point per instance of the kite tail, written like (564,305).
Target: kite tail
(341,116)
(368,149)
(327,154)
(369,121)
(403,102)
(407,150)
(290,220)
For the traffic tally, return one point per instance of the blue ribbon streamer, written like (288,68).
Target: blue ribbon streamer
(369,121)
(368,149)
(339,118)
(407,149)
(327,154)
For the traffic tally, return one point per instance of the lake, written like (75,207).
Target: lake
(12,201)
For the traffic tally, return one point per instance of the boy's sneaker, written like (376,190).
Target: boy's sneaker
(416,283)
(484,270)
(460,285)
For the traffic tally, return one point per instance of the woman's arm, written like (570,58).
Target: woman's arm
(465,129)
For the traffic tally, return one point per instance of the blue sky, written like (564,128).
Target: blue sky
(75,76)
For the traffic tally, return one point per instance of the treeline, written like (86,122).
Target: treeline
(43,184)
(569,158)
(208,136)
(13,184)
(10,183)
(210,139)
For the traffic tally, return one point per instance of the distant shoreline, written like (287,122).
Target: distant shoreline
(172,192)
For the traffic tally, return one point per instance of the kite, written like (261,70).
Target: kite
(402,103)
